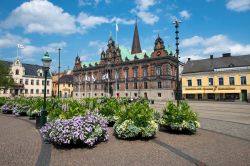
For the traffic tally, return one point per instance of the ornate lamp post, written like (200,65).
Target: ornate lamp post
(176,23)
(46,66)
(59,53)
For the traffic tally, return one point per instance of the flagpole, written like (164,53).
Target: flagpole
(116,37)
(17,52)
(108,85)
(116,87)
(91,83)
(125,83)
(116,84)
(85,86)
(116,30)
(79,86)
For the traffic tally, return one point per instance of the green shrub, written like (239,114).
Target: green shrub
(135,120)
(109,109)
(3,100)
(65,109)
(180,119)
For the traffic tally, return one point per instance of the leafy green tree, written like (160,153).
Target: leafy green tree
(6,80)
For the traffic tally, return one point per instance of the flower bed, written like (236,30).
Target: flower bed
(88,130)
(7,108)
(179,119)
(136,120)
(108,108)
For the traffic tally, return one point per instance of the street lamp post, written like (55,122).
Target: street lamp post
(59,52)
(46,65)
(109,75)
(176,23)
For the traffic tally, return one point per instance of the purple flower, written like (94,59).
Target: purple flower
(88,129)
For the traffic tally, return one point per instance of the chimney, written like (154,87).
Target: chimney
(189,59)
(226,54)
(211,57)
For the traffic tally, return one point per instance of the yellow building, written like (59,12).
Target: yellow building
(65,84)
(223,78)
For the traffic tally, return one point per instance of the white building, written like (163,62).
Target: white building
(29,80)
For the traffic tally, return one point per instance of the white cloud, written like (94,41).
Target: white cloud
(92,2)
(148,17)
(29,51)
(61,44)
(185,14)
(142,11)
(84,58)
(238,5)
(145,4)
(97,43)
(122,21)
(191,41)
(199,47)
(88,21)
(32,51)
(9,40)
(41,16)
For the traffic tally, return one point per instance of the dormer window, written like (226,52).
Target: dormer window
(39,73)
(17,72)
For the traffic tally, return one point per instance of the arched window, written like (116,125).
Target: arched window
(17,72)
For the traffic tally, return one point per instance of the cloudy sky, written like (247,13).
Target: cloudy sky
(83,27)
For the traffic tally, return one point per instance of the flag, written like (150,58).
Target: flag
(104,77)
(116,27)
(107,76)
(87,78)
(116,75)
(20,46)
(125,74)
(92,78)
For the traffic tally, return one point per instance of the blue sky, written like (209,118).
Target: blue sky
(83,27)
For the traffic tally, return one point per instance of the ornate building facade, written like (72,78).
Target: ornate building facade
(29,80)
(128,74)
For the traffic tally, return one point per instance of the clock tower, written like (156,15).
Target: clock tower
(159,48)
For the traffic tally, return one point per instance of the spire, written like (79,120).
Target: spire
(136,46)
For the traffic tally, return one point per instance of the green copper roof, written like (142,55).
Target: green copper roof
(169,51)
(125,52)
(87,64)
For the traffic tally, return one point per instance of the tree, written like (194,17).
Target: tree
(6,80)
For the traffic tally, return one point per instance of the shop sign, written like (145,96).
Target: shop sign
(226,88)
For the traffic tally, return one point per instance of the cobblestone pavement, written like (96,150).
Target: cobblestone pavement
(21,145)
(20,142)
(231,118)
(227,111)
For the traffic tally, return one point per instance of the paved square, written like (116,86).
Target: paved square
(222,140)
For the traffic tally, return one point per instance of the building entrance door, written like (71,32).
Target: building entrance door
(199,96)
(16,92)
(244,95)
(111,91)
